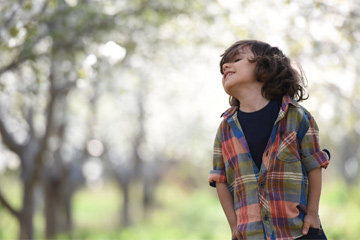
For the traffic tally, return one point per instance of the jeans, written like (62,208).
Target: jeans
(314,234)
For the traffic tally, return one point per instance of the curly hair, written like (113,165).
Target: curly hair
(272,68)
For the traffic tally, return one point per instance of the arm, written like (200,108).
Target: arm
(217,178)
(228,207)
(314,191)
(312,210)
(313,159)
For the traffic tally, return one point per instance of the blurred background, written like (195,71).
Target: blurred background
(109,109)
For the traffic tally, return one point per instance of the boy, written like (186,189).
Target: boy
(267,160)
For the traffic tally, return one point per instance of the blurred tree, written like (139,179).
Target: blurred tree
(145,36)
(42,38)
(46,42)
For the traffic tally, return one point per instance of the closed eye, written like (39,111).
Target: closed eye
(238,59)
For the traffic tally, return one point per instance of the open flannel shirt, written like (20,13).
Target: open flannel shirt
(269,202)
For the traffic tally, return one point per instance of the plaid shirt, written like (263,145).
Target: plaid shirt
(269,202)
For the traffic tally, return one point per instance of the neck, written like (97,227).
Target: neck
(250,98)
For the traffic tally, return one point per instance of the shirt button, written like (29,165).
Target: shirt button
(261,184)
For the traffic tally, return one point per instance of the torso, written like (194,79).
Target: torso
(257,128)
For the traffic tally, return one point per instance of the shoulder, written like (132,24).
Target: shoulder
(226,115)
(299,113)
(222,126)
(229,112)
(295,113)
(223,130)
(299,119)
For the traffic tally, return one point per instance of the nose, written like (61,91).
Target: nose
(225,66)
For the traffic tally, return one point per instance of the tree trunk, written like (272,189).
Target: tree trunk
(68,214)
(57,209)
(125,212)
(148,195)
(51,197)
(27,212)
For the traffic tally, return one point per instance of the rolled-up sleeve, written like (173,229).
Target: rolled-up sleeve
(218,173)
(312,155)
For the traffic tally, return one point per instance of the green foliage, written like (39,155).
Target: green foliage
(28,5)
(14,31)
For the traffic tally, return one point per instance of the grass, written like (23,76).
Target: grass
(179,214)
(340,211)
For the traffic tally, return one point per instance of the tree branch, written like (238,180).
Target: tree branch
(23,57)
(24,54)
(9,140)
(12,65)
(8,21)
(20,59)
(6,204)
(29,120)
(49,125)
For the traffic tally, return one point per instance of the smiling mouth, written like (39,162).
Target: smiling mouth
(228,74)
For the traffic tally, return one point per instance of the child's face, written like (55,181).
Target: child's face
(238,71)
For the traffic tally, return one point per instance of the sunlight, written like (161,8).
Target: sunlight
(93,170)
(95,147)
(71,3)
(112,51)
(90,60)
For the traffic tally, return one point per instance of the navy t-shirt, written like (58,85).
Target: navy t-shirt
(257,128)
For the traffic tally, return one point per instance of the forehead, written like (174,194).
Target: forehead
(239,51)
(243,51)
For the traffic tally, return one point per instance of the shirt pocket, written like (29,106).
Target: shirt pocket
(288,150)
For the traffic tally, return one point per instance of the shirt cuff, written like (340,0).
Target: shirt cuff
(318,159)
(216,176)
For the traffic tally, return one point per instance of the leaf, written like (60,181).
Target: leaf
(14,31)
(28,5)
(81,73)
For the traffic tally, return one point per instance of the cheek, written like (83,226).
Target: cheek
(252,70)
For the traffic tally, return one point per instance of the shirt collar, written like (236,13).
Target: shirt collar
(286,100)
